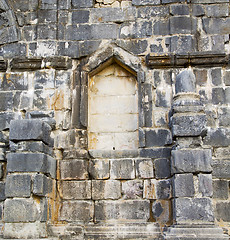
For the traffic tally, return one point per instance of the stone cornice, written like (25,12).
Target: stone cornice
(197,59)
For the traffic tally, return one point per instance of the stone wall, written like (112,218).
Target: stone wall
(50,52)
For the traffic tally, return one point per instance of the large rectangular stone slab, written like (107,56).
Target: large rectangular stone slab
(191,161)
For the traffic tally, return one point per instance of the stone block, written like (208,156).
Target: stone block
(152,11)
(109,189)
(216,25)
(88,47)
(179,9)
(222,211)
(42,185)
(191,161)
(227,77)
(122,210)
(217,137)
(122,169)
(80,16)
(18,186)
(145,2)
(161,210)
(155,152)
(25,230)
(77,211)
(193,210)
(99,168)
(31,162)
(70,49)
(74,190)
(198,10)
(144,168)
(217,10)
(205,185)
(30,130)
(221,169)
(149,189)
(132,189)
(5,119)
(224,116)
(185,82)
(182,24)
(20,210)
(162,168)
(2,191)
(164,189)
(6,101)
(183,185)
(182,44)
(180,126)
(201,76)
(163,98)
(218,96)
(221,189)
(49,4)
(74,169)
(1,167)
(216,76)
(82,3)
(158,138)
(134,46)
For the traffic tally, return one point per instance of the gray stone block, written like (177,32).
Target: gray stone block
(216,25)
(182,24)
(221,169)
(42,185)
(193,210)
(198,10)
(161,211)
(99,168)
(76,190)
(222,211)
(109,189)
(182,44)
(144,168)
(77,211)
(221,189)
(134,46)
(122,169)
(18,186)
(80,16)
(163,98)
(115,210)
(30,130)
(216,76)
(205,185)
(227,77)
(164,189)
(82,3)
(74,169)
(218,96)
(191,161)
(104,31)
(20,210)
(70,49)
(158,137)
(218,137)
(31,162)
(5,119)
(132,189)
(183,185)
(217,10)
(152,11)
(49,4)
(88,47)
(2,191)
(155,152)
(145,2)
(179,9)
(196,126)
(185,82)
(6,101)
(162,168)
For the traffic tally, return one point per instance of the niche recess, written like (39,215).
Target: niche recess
(112,109)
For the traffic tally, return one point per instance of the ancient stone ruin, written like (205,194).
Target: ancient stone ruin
(115,119)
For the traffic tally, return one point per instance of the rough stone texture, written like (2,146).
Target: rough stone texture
(162,168)
(122,169)
(221,169)
(160,137)
(220,189)
(144,168)
(149,191)
(222,211)
(42,185)
(183,185)
(205,185)
(132,189)
(185,81)
(99,169)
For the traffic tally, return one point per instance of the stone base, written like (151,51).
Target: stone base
(128,231)
(183,232)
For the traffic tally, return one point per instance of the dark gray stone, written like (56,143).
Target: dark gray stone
(218,43)
(30,130)
(179,9)
(224,116)
(164,189)
(155,152)
(122,169)
(99,169)
(49,4)
(183,185)
(82,3)
(152,11)
(146,90)
(162,168)
(18,186)
(185,82)
(222,211)
(218,137)
(133,46)
(70,49)
(47,31)
(173,1)
(47,16)
(220,189)
(217,10)
(221,169)
(227,77)
(163,98)
(2,191)
(161,27)
(205,185)
(20,210)
(31,162)
(88,47)
(80,32)
(158,137)
(191,161)
(80,16)
(216,76)
(182,44)
(201,76)
(182,24)
(157,209)
(42,185)
(6,101)
(192,210)
(5,119)
(218,96)
(104,31)
(145,2)
(198,10)
(14,81)
(216,25)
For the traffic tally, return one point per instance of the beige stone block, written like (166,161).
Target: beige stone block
(126,140)
(121,72)
(110,70)
(102,141)
(126,4)
(150,189)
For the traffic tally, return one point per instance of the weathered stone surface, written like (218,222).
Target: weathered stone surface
(191,161)
(205,185)
(185,82)
(77,211)
(99,168)
(132,189)
(20,210)
(159,137)
(30,130)
(179,9)
(82,3)
(182,24)
(74,169)
(115,210)
(42,185)
(162,168)
(109,189)
(161,211)
(164,189)
(218,137)
(193,210)
(6,101)
(145,2)
(221,169)
(76,190)
(183,185)
(2,191)
(5,119)
(155,152)
(144,168)
(223,211)
(18,186)
(220,189)
(216,25)
(216,76)
(149,189)
(31,162)
(122,169)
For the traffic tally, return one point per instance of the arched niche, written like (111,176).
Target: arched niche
(112,108)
